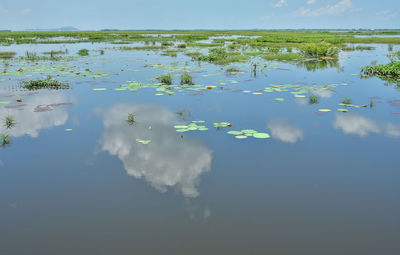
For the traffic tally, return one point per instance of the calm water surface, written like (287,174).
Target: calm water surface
(324,183)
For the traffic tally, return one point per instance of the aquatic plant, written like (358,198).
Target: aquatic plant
(288,56)
(232,69)
(170,53)
(83,52)
(9,122)
(165,79)
(359,47)
(313,99)
(347,101)
(182,46)
(48,83)
(322,49)
(7,54)
(221,57)
(30,55)
(371,104)
(193,55)
(389,72)
(5,140)
(131,118)
(186,79)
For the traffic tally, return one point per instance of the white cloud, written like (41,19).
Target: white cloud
(310,2)
(26,11)
(339,8)
(168,161)
(285,132)
(279,4)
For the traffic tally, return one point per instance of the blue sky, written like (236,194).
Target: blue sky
(195,14)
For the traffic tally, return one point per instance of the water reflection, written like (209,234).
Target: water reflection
(285,132)
(168,161)
(358,125)
(29,121)
(314,65)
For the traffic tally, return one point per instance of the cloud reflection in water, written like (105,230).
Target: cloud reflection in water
(168,161)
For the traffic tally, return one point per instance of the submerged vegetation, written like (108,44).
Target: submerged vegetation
(48,83)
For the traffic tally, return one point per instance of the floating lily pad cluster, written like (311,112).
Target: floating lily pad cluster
(191,127)
(143,141)
(245,133)
(222,124)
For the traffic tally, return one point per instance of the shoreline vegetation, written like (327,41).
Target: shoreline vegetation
(312,49)
(260,38)
(389,72)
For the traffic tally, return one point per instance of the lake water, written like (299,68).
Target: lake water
(77,180)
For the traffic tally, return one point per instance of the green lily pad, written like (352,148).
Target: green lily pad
(68,129)
(249,131)
(99,89)
(182,130)
(261,135)
(5,102)
(235,132)
(180,126)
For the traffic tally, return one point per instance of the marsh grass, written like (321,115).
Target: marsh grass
(131,119)
(150,47)
(9,122)
(317,50)
(48,83)
(31,56)
(389,72)
(220,56)
(186,79)
(283,56)
(83,52)
(170,53)
(165,79)
(347,101)
(233,69)
(5,140)
(193,55)
(7,54)
(360,48)
(313,99)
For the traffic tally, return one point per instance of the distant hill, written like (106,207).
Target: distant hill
(53,29)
